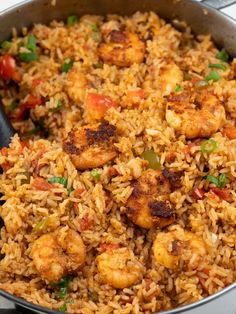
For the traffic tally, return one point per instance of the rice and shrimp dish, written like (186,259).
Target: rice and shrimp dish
(118,189)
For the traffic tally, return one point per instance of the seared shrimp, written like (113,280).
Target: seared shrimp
(122,49)
(58,253)
(169,247)
(198,114)
(148,205)
(91,146)
(76,84)
(119,268)
(170,76)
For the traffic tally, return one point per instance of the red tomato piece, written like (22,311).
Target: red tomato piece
(86,223)
(31,103)
(7,67)
(97,105)
(198,193)
(36,82)
(222,193)
(41,184)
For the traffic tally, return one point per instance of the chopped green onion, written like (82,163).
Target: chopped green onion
(67,65)
(6,44)
(212,179)
(31,46)
(14,105)
(63,284)
(57,108)
(27,57)
(201,83)
(151,157)
(31,43)
(95,174)
(72,19)
(213,76)
(94,27)
(208,146)
(217,66)
(222,55)
(178,88)
(63,308)
(222,180)
(60,180)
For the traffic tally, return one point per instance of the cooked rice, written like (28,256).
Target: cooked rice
(96,208)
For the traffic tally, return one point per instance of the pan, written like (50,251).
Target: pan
(204,18)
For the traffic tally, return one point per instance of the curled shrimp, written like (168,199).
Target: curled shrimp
(169,247)
(91,146)
(122,48)
(119,268)
(148,206)
(58,253)
(198,114)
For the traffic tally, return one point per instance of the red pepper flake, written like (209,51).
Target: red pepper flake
(41,184)
(109,246)
(222,193)
(198,193)
(86,223)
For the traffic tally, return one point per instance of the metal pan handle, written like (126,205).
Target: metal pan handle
(6,130)
(219,4)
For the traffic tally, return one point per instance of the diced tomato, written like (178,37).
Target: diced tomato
(41,184)
(230,132)
(109,246)
(31,103)
(97,105)
(36,82)
(86,223)
(198,193)
(4,151)
(7,67)
(222,193)
(135,96)
(35,161)
(79,191)
(24,144)
(5,166)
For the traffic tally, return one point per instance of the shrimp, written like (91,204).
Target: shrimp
(148,206)
(122,49)
(91,146)
(170,77)
(76,84)
(169,247)
(198,114)
(119,268)
(58,253)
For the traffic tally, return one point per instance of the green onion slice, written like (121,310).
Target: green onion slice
(31,43)
(67,65)
(6,44)
(31,46)
(212,179)
(63,308)
(222,55)
(213,76)
(95,174)
(208,146)
(57,108)
(151,157)
(178,88)
(222,180)
(72,20)
(27,57)
(217,66)
(60,180)
(94,27)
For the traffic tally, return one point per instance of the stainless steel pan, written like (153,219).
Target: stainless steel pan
(200,16)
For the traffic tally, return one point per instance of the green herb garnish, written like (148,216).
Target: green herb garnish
(60,180)
(94,27)
(63,308)
(57,108)
(67,65)
(95,174)
(31,46)
(208,146)
(222,55)
(178,88)
(6,44)
(213,76)
(151,157)
(72,19)
(220,182)
(217,66)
